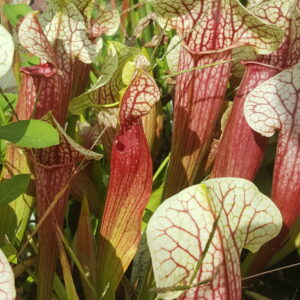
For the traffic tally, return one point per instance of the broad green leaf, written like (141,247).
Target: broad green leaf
(237,214)
(7,280)
(12,188)
(30,134)
(78,104)
(15,216)
(14,12)
(6,51)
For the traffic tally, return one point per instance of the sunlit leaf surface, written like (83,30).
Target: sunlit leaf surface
(233,25)
(30,133)
(209,31)
(272,106)
(181,227)
(230,158)
(34,40)
(107,23)
(69,27)
(130,183)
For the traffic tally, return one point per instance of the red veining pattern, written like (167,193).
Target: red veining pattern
(241,149)
(179,230)
(198,101)
(275,105)
(130,184)
(129,190)
(106,23)
(210,29)
(214,25)
(49,87)
(285,15)
(138,98)
(41,92)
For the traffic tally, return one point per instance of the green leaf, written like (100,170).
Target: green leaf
(30,133)
(14,12)
(12,100)
(12,188)
(6,111)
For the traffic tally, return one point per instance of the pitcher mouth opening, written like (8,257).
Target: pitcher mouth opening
(43,70)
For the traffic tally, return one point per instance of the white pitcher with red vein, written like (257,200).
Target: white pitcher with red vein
(209,31)
(196,237)
(270,107)
(7,279)
(238,138)
(67,39)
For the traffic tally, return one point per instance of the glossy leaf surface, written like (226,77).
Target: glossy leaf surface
(12,188)
(30,133)
(237,216)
